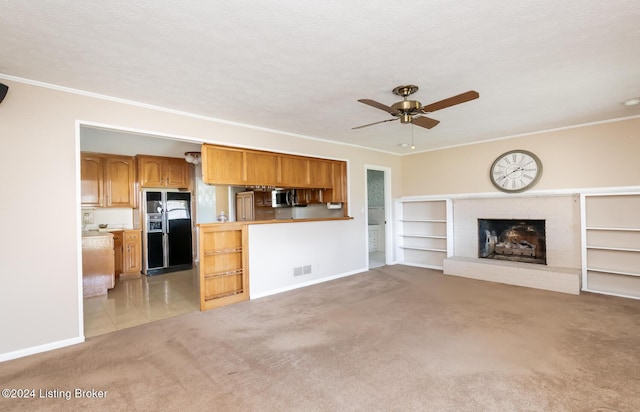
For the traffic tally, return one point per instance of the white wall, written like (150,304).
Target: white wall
(40,298)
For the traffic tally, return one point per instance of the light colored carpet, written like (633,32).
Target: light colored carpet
(395,338)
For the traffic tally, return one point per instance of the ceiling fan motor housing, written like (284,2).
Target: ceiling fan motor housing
(406,108)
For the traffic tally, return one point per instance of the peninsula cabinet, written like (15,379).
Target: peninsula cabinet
(224,277)
(107,180)
(611,239)
(163,172)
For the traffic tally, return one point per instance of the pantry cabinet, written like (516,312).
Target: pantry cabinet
(107,180)
(163,172)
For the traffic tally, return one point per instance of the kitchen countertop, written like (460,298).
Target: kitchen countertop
(95,233)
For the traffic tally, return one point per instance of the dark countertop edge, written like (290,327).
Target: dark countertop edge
(262,222)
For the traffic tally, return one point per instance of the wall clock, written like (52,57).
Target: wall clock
(515,171)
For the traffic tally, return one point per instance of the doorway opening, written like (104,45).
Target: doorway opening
(378,202)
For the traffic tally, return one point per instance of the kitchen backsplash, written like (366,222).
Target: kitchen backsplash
(113,217)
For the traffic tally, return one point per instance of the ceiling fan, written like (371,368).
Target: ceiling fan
(407,111)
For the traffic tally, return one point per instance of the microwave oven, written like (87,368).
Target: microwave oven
(282,197)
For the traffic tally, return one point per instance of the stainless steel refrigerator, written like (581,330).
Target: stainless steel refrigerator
(167,241)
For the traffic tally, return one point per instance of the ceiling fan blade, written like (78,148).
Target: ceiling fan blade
(371,124)
(425,122)
(380,106)
(451,101)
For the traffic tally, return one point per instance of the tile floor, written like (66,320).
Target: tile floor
(141,300)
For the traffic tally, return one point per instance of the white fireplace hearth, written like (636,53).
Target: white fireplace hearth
(562,270)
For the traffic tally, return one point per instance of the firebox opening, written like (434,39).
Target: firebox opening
(518,240)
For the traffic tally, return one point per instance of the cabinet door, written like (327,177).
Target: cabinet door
(244,206)
(132,253)
(150,171)
(320,173)
(222,165)
(176,173)
(120,181)
(117,252)
(294,171)
(91,180)
(261,168)
(339,184)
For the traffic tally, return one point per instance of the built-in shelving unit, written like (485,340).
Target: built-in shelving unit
(422,232)
(611,244)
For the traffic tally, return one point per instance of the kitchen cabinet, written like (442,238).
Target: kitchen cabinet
(244,167)
(338,191)
(244,206)
(120,181)
(320,173)
(261,168)
(132,253)
(224,274)
(127,247)
(107,180)
(92,180)
(294,172)
(163,172)
(222,165)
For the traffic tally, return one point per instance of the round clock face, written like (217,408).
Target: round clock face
(515,171)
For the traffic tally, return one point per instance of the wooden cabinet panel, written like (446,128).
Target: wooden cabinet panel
(176,171)
(163,172)
(222,165)
(320,173)
(92,180)
(117,252)
(224,265)
(245,206)
(132,252)
(120,181)
(150,171)
(294,171)
(338,192)
(260,168)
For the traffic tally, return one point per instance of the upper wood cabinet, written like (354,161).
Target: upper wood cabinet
(107,180)
(222,165)
(244,167)
(91,179)
(294,171)
(120,181)
(261,168)
(158,171)
(338,191)
(320,173)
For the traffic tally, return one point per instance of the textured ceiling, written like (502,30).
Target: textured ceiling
(300,66)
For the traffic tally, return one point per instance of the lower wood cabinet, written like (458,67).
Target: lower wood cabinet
(127,248)
(224,274)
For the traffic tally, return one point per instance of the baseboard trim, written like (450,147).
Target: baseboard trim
(40,348)
(305,284)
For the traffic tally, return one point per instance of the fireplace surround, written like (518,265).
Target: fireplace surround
(562,259)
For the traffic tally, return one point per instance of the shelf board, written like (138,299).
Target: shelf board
(425,236)
(614,229)
(617,249)
(428,249)
(614,272)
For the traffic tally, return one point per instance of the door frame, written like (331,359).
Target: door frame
(388,215)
